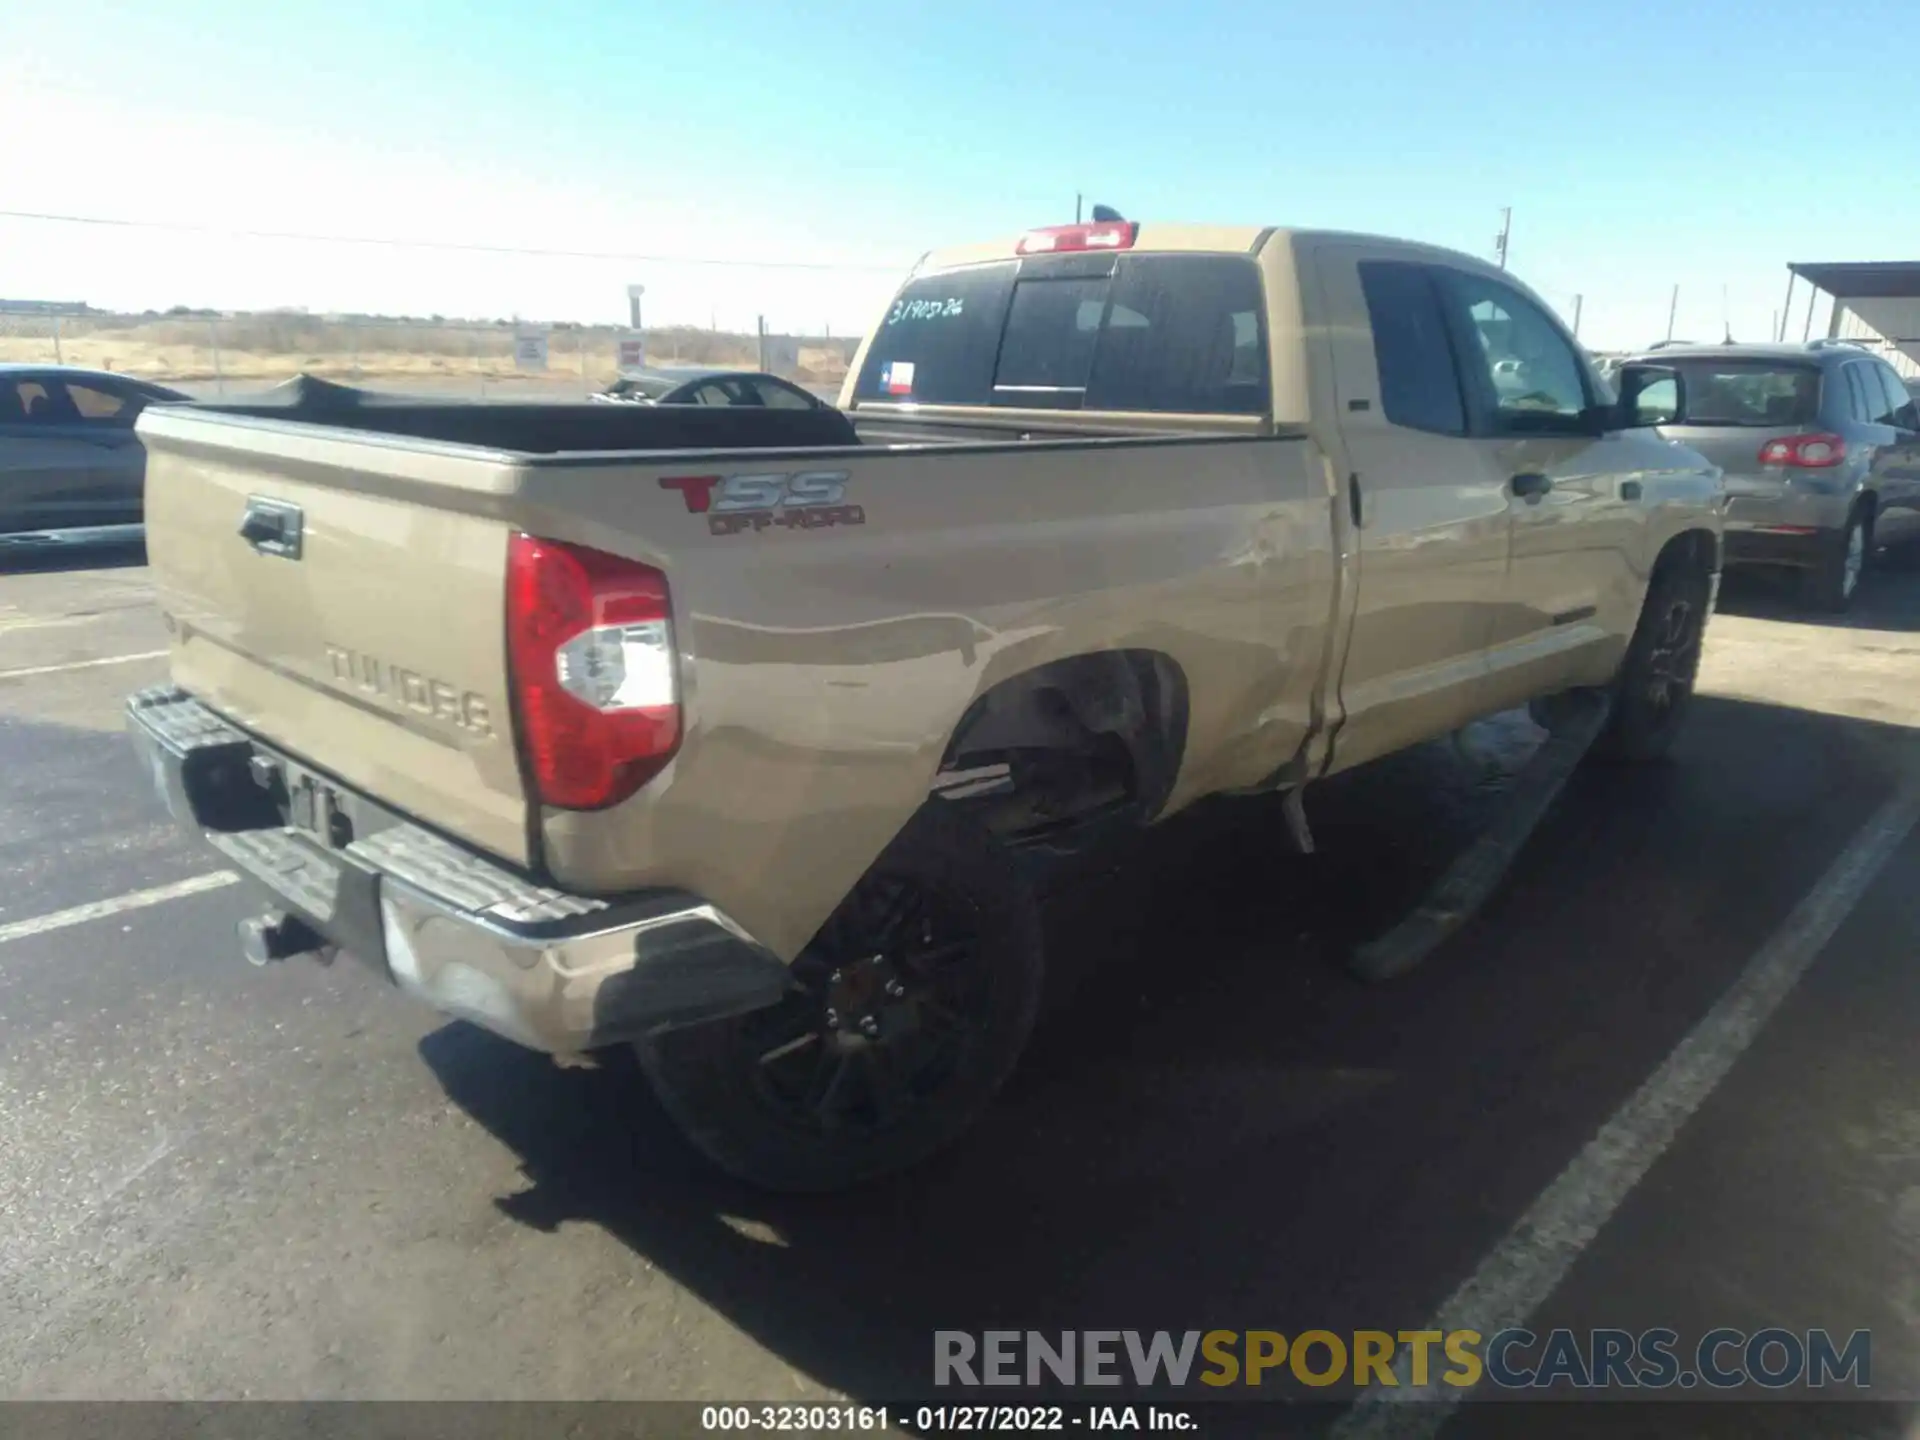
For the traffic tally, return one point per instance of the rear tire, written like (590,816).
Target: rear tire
(908,1012)
(1654,688)
(1832,584)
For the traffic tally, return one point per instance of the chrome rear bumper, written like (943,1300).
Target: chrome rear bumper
(551,970)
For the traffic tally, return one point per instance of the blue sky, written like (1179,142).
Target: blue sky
(1640,145)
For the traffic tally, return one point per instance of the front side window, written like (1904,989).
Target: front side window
(1899,407)
(35,400)
(1532,377)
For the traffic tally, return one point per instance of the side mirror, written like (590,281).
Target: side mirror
(1650,395)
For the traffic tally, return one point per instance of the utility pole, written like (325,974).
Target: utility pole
(1500,240)
(1576,315)
(1078,200)
(1673,309)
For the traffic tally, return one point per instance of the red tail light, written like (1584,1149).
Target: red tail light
(1102,235)
(590,638)
(1804,452)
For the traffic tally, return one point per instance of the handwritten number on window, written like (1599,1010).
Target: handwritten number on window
(925,309)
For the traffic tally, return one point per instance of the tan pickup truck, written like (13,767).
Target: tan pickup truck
(730,733)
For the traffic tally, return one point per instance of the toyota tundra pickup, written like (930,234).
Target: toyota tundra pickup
(734,733)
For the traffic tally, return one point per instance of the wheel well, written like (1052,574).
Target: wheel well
(1692,549)
(1085,737)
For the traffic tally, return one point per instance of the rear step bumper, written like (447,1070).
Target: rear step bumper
(556,972)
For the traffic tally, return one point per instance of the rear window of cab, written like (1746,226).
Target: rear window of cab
(1173,334)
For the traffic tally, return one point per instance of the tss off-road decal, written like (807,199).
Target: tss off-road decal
(797,500)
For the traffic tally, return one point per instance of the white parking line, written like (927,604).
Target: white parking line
(13,622)
(80,665)
(100,909)
(1519,1273)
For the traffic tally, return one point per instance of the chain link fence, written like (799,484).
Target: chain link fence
(209,353)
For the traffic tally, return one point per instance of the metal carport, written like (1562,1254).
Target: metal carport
(1876,304)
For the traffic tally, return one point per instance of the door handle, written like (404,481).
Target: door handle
(1629,489)
(273,527)
(1531,485)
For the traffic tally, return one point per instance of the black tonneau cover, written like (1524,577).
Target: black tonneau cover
(543,429)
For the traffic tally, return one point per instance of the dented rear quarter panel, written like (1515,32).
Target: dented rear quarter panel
(824,671)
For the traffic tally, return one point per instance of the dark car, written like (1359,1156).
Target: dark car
(1820,446)
(710,387)
(68,456)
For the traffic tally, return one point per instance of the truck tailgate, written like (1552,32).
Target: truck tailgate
(360,625)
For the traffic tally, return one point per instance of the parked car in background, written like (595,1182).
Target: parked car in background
(710,387)
(1820,445)
(68,456)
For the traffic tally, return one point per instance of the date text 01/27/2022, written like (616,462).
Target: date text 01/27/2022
(944,1419)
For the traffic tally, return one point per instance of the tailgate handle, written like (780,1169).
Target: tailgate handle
(272,527)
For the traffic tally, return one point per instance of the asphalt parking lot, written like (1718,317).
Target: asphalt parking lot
(225,1182)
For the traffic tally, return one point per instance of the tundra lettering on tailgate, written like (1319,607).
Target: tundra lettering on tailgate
(410,690)
(798,500)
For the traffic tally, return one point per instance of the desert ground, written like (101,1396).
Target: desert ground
(264,348)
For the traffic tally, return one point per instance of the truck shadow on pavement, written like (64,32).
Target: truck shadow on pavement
(1224,1129)
(1888,599)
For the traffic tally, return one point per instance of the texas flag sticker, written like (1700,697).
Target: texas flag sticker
(897,378)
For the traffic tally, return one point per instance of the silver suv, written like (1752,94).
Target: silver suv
(1820,444)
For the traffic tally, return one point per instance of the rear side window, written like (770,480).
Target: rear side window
(1763,394)
(1419,381)
(1863,393)
(1161,333)
(97,404)
(778,397)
